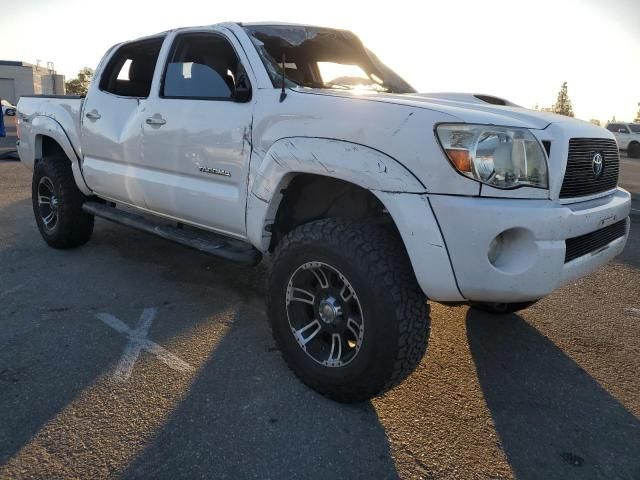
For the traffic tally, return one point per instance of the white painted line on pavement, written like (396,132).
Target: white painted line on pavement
(138,341)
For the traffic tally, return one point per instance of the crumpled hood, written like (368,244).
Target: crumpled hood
(467,107)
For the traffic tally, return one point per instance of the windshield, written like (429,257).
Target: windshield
(635,127)
(322,58)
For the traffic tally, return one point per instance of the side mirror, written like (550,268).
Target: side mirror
(242,92)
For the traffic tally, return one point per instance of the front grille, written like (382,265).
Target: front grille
(590,242)
(579,178)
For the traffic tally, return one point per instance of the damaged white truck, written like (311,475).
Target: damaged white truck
(245,140)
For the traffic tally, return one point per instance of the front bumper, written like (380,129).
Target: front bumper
(530,263)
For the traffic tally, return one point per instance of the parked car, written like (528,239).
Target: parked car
(298,143)
(7,109)
(628,137)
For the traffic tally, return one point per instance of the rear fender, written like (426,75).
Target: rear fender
(43,126)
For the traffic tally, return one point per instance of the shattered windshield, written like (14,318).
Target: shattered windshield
(322,58)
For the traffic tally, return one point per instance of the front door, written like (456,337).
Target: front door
(112,123)
(196,143)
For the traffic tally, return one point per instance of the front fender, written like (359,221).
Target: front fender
(351,162)
(44,126)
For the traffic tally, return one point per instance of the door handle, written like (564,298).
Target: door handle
(93,115)
(156,120)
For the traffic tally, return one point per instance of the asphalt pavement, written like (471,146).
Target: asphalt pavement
(132,357)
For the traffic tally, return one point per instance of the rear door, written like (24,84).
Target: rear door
(112,121)
(197,134)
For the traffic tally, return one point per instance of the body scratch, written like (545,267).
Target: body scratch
(404,122)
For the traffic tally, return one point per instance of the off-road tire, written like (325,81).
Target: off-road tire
(634,150)
(394,308)
(74,226)
(502,308)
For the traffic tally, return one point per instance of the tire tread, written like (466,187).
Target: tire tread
(75,225)
(384,260)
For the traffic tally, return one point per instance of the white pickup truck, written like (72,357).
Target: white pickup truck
(628,137)
(296,142)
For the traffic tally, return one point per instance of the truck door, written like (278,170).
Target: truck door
(112,121)
(623,136)
(197,131)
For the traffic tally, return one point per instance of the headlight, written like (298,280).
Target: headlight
(503,157)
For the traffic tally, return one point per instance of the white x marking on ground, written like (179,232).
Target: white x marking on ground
(11,290)
(138,341)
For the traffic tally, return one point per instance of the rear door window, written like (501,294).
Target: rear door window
(129,72)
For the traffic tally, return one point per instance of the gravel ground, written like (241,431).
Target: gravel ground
(550,393)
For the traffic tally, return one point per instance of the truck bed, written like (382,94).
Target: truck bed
(60,112)
(53,96)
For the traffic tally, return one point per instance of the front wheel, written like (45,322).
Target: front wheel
(345,309)
(634,150)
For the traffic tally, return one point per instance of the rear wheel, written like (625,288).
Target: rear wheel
(57,205)
(345,309)
(634,150)
(501,308)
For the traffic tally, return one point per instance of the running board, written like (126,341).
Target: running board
(207,242)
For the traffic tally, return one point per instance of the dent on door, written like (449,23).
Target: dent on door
(112,142)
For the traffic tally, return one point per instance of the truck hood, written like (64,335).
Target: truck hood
(467,107)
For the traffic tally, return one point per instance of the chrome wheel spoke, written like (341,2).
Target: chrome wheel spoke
(49,218)
(43,200)
(354,328)
(336,349)
(301,295)
(321,276)
(300,334)
(346,293)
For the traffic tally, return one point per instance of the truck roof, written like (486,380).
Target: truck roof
(222,24)
(284,24)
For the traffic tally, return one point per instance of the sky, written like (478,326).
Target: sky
(519,50)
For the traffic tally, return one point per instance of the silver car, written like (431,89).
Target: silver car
(8,109)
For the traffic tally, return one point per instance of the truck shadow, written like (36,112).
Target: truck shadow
(554,420)
(247,416)
(241,415)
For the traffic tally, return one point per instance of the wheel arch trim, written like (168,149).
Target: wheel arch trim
(43,126)
(289,157)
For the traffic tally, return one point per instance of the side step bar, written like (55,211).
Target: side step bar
(207,242)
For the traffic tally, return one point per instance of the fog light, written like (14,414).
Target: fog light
(513,251)
(494,248)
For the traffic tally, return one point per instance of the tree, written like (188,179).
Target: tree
(637,119)
(595,121)
(80,85)
(563,104)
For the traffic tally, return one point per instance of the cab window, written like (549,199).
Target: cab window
(129,72)
(202,66)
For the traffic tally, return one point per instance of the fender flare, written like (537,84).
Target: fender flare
(363,166)
(45,126)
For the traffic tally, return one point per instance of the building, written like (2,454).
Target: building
(21,78)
